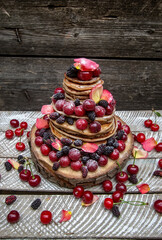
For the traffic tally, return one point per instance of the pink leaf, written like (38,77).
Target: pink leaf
(85,64)
(106,95)
(95,198)
(57,144)
(66,216)
(149,144)
(41,123)
(90,147)
(14,163)
(139,153)
(143,188)
(47,109)
(96,93)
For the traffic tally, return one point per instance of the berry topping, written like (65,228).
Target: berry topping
(85,159)
(74,154)
(109,110)
(103,103)
(9,134)
(108,203)
(124,137)
(66,141)
(85,64)
(84,170)
(46,217)
(106,95)
(94,127)
(65,150)
(56,166)
(38,141)
(58,96)
(35,205)
(89,147)
(59,154)
(37,132)
(108,150)
(59,104)
(89,105)
(126,129)
(107,185)
(41,123)
(61,119)
(95,156)
(52,156)
(79,111)
(59,90)
(92,165)
(13,216)
(114,155)
(120,126)
(97,72)
(76,166)
(85,76)
(10,199)
(121,145)
(101,149)
(64,161)
(78,143)
(91,115)
(14,123)
(140,137)
(87,197)
(72,72)
(100,111)
(54,115)
(148,123)
(78,191)
(68,108)
(81,124)
(103,160)
(77,102)
(120,134)
(69,120)
(45,149)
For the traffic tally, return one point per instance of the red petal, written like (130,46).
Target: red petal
(143,188)
(149,144)
(86,64)
(139,153)
(57,144)
(106,95)
(66,215)
(47,109)
(95,198)
(90,147)
(41,123)
(96,93)
(14,163)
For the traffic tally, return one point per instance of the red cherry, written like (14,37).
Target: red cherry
(121,176)
(109,109)
(117,196)
(135,137)
(64,161)
(13,216)
(92,165)
(81,124)
(24,125)
(46,217)
(20,146)
(140,137)
(158,147)
(59,104)
(87,197)
(126,129)
(52,156)
(37,132)
(120,126)
(19,132)
(25,175)
(74,154)
(160,163)
(34,180)
(89,105)
(28,134)
(114,155)
(121,145)
(113,102)
(97,72)
(132,169)
(124,137)
(14,123)
(158,205)
(76,166)
(94,127)
(79,111)
(68,108)
(9,134)
(154,127)
(39,141)
(108,203)
(148,123)
(78,191)
(85,76)
(102,160)
(45,149)
(107,185)
(59,90)
(121,187)
(46,117)
(100,111)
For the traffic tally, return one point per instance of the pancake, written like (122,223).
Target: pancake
(73,92)
(75,80)
(73,97)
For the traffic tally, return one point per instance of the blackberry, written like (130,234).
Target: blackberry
(115,144)
(20,168)
(69,120)
(48,142)
(101,149)
(95,156)
(77,102)
(42,132)
(133,179)
(108,150)
(21,159)
(65,150)
(115,211)
(61,119)
(58,96)
(84,170)
(8,166)
(110,141)
(85,159)
(91,115)
(59,154)
(84,153)
(54,115)
(72,71)
(119,134)
(103,103)
(36,204)
(56,165)
(78,142)
(10,199)
(46,135)
(157,173)
(66,141)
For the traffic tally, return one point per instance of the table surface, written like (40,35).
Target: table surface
(135,222)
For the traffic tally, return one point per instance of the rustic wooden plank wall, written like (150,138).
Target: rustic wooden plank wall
(39,39)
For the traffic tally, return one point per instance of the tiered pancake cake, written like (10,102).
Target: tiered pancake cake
(80,140)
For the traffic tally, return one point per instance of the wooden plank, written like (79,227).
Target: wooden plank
(28,83)
(72,28)
(92,222)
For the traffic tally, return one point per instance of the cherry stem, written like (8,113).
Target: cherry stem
(135,184)
(119,168)
(28,163)
(134,158)
(21,135)
(139,203)
(153,111)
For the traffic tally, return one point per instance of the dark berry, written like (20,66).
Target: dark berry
(157,173)
(20,168)
(92,165)
(115,211)
(42,132)
(65,150)
(10,199)
(115,144)
(108,150)
(84,153)
(36,204)
(48,142)
(69,120)
(95,156)
(54,115)
(58,96)
(56,165)
(133,179)
(77,102)
(91,115)
(21,159)
(66,141)
(110,141)
(8,166)
(46,135)
(84,170)
(120,134)
(72,72)
(59,154)
(85,159)
(60,120)
(78,142)
(101,149)
(103,103)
